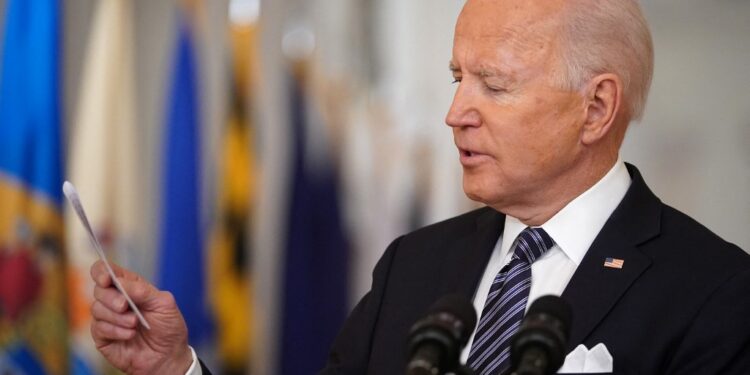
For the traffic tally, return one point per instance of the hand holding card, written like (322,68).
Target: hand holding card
(70,192)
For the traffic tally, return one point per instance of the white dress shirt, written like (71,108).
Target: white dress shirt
(195,368)
(573,229)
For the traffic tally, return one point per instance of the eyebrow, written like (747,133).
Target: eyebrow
(484,70)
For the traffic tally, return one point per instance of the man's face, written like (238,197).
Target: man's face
(517,134)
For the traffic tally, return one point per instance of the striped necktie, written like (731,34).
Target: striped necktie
(506,302)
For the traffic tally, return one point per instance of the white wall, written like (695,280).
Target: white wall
(693,146)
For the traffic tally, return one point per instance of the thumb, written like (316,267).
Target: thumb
(140,291)
(148,298)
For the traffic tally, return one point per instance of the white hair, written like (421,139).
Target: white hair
(608,36)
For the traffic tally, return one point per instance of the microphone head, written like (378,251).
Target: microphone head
(556,307)
(445,328)
(461,309)
(545,329)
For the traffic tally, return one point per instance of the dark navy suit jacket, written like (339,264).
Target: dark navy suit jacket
(679,305)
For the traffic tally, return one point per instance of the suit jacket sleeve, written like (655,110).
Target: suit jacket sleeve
(204,369)
(718,341)
(351,348)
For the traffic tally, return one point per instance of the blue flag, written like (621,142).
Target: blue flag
(33,323)
(181,266)
(316,257)
(29,96)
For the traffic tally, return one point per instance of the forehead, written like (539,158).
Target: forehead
(490,16)
(504,30)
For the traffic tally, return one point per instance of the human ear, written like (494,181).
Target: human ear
(603,98)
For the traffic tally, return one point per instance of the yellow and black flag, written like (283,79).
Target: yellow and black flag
(230,251)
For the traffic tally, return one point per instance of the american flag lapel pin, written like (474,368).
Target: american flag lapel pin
(613,263)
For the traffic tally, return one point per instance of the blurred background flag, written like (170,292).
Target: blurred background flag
(33,322)
(181,259)
(315,276)
(102,165)
(230,252)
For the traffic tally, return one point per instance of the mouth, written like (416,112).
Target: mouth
(470,158)
(468,152)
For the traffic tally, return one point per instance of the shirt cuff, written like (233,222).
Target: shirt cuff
(195,368)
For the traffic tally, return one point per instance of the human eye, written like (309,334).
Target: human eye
(495,85)
(495,89)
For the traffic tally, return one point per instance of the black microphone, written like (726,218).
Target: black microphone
(539,346)
(436,340)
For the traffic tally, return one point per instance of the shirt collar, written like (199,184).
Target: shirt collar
(575,227)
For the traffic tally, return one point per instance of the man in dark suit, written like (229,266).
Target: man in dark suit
(546,90)
(678,305)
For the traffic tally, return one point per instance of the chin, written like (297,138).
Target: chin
(481,190)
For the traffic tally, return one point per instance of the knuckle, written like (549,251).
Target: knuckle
(139,289)
(97,272)
(94,331)
(100,293)
(129,320)
(121,304)
(168,298)
(101,328)
(95,267)
(128,334)
(95,309)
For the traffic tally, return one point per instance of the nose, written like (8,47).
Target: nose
(463,112)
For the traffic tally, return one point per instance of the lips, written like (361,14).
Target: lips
(468,153)
(471,157)
(469,150)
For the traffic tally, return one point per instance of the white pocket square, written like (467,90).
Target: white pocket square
(585,361)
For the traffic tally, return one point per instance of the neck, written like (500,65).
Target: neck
(544,205)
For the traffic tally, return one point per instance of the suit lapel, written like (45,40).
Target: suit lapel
(466,258)
(594,289)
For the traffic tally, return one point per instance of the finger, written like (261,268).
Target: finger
(122,272)
(100,275)
(104,331)
(111,298)
(139,290)
(165,300)
(102,313)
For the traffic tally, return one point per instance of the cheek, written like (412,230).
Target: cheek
(555,115)
(525,137)
(559,143)
(506,129)
(530,131)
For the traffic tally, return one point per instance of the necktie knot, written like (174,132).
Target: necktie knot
(531,244)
